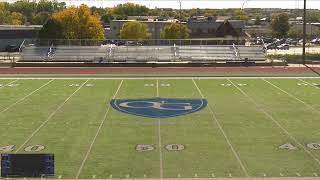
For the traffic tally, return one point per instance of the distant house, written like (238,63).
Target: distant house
(13,35)
(297,20)
(210,27)
(312,29)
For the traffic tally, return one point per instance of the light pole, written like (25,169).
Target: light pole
(180,21)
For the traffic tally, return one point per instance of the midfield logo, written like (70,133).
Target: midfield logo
(159,107)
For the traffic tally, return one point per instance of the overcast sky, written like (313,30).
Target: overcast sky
(187,4)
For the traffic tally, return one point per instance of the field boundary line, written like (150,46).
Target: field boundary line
(276,122)
(9,83)
(97,133)
(22,99)
(50,116)
(159,140)
(214,117)
(308,83)
(291,95)
(157,77)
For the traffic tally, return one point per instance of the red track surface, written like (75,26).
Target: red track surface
(161,70)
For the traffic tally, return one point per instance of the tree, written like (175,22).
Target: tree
(295,33)
(175,31)
(51,30)
(130,9)
(16,19)
(4,13)
(279,24)
(78,23)
(40,18)
(257,21)
(134,30)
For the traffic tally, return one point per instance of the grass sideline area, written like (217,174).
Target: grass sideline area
(165,75)
(250,127)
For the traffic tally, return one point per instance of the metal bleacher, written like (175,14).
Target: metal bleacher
(143,54)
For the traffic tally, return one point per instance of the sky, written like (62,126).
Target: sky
(214,4)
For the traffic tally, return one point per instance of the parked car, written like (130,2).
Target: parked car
(271,46)
(12,48)
(283,47)
(315,41)
(134,43)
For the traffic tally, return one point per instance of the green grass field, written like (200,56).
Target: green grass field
(251,127)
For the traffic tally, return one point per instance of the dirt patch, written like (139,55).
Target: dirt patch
(163,70)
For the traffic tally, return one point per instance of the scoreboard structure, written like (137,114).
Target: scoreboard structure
(27,165)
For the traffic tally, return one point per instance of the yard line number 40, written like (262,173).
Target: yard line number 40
(31,148)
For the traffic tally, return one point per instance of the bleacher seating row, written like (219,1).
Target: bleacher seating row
(142,53)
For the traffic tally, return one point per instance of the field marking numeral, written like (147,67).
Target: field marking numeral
(288,146)
(34,148)
(7,148)
(145,147)
(314,146)
(303,84)
(73,85)
(148,85)
(174,147)
(242,84)
(13,85)
(226,85)
(89,85)
(165,85)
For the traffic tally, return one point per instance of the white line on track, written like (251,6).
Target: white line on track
(20,100)
(9,83)
(51,115)
(159,139)
(308,83)
(259,107)
(292,96)
(214,117)
(97,133)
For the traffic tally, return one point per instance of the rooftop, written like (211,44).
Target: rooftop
(21,27)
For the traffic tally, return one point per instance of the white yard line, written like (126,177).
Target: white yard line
(308,83)
(50,116)
(157,88)
(20,100)
(214,117)
(9,83)
(259,107)
(159,140)
(291,95)
(97,133)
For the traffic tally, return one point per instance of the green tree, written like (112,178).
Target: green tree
(40,18)
(279,24)
(51,30)
(257,21)
(134,30)
(130,9)
(4,13)
(175,31)
(16,19)
(295,33)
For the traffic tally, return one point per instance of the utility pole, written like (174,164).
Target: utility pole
(180,21)
(304,32)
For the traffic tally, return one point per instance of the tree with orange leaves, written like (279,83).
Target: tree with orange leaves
(77,23)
